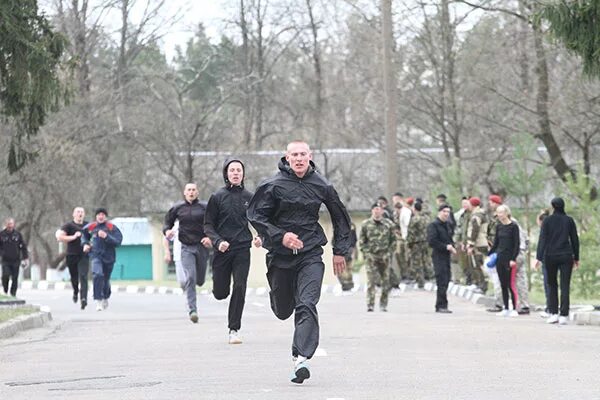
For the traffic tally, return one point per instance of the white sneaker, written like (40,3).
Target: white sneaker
(503,313)
(562,320)
(99,305)
(544,314)
(513,313)
(234,337)
(552,319)
(105,304)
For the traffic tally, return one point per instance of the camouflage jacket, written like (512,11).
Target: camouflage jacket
(377,237)
(417,229)
(477,229)
(491,229)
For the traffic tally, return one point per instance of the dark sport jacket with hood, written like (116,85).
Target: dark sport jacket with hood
(225,218)
(287,203)
(558,235)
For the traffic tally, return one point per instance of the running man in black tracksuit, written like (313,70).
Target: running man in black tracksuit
(285,212)
(13,249)
(78,262)
(194,243)
(226,224)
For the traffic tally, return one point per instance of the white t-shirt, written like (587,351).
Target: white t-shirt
(176,243)
(405,215)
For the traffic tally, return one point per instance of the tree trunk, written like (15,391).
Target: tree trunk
(543,92)
(246,68)
(389,87)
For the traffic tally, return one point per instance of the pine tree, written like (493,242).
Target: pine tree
(577,25)
(30,62)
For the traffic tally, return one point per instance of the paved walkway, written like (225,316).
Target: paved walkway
(143,347)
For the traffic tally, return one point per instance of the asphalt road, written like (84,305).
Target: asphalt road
(143,347)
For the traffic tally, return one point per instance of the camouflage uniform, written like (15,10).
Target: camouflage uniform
(402,271)
(345,277)
(477,242)
(420,260)
(492,272)
(460,238)
(376,242)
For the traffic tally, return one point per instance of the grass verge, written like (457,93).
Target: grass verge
(8,313)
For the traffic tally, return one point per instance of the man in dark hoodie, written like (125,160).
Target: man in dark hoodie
(13,249)
(558,249)
(194,242)
(285,212)
(226,224)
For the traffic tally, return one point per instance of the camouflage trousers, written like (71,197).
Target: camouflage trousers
(378,274)
(477,268)
(345,277)
(463,262)
(522,284)
(420,263)
(401,270)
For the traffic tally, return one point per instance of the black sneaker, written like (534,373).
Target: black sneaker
(83,304)
(443,311)
(524,311)
(495,309)
(369,308)
(75,298)
(301,372)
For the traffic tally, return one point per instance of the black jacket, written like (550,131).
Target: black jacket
(12,246)
(191,221)
(438,237)
(225,217)
(286,203)
(506,241)
(558,237)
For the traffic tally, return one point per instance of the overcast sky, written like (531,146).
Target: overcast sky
(210,13)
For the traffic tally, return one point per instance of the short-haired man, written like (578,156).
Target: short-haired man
(13,249)
(416,239)
(376,242)
(440,240)
(285,212)
(477,244)
(77,261)
(100,238)
(194,242)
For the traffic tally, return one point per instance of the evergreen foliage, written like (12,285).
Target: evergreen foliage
(585,210)
(30,59)
(577,25)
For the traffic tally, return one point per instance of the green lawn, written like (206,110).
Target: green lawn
(8,313)
(536,296)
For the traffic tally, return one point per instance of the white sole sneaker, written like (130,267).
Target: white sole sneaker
(563,320)
(552,319)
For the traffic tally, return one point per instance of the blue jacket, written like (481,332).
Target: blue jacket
(103,249)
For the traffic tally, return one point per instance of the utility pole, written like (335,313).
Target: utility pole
(389,88)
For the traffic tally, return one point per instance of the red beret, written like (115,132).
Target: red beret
(495,198)
(410,201)
(475,201)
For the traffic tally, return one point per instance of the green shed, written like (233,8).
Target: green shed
(134,256)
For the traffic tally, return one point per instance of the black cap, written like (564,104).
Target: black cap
(442,206)
(375,205)
(101,210)
(441,196)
